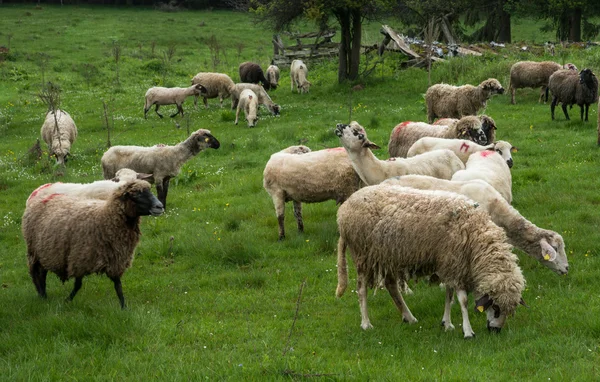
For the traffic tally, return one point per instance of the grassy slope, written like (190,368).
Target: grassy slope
(211,292)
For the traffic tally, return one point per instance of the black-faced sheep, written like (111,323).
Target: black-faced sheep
(163,162)
(488,125)
(74,237)
(569,88)
(296,175)
(393,231)
(216,84)
(171,96)
(448,101)
(298,76)
(248,102)
(405,134)
(59,132)
(251,72)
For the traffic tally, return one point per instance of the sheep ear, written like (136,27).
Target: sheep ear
(514,149)
(143,176)
(483,303)
(548,253)
(522,302)
(115,179)
(370,145)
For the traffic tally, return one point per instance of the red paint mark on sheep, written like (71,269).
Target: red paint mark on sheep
(37,191)
(464,146)
(487,153)
(399,127)
(50,198)
(335,149)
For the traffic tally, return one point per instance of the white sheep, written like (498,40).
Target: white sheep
(461,147)
(249,104)
(301,176)
(445,100)
(439,163)
(405,134)
(273,76)
(392,231)
(298,76)
(170,96)
(263,97)
(216,84)
(163,162)
(74,237)
(490,167)
(59,132)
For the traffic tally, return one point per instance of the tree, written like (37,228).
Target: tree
(496,14)
(349,14)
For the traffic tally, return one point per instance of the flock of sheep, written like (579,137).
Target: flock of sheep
(439,207)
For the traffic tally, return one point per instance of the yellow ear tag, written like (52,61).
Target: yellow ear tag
(546,257)
(480,308)
(206,139)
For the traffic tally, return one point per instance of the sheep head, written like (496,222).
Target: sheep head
(354,137)
(200,90)
(553,252)
(496,318)
(587,77)
(493,86)
(138,199)
(488,125)
(471,128)
(200,140)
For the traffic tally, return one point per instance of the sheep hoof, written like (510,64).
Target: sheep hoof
(468,336)
(447,327)
(366,326)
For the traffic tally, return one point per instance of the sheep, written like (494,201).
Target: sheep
(488,125)
(569,88)
(263,97)
(545,246)
(273,76)
(490,167)
(163,162)
(171,96)
(531,74)
(445,100)
(249,103)
(438,163)
(252,72)
(392,231)
(293,174)
(405,134)
(100,189)
(74,237)
(298,74)
(59,132)
(461,147)
(216,85)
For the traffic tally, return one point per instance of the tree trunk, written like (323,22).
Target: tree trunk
(356,40)
(575,25)
(504,34)
(345,40)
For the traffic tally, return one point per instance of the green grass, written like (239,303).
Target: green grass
(220,299)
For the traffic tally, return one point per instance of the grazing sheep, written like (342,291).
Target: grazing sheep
(273,76)
(171,96)
(392,231)
(531,74)
(569,88)
(163,162)
(75,237)
(310,177)
(445,100)
(490,167)
(461,147)
(405,134)
(100,189)
(216,85)
(249,103)
(251,72)
(263,97)
(298,76)
(439,163)
(545,246)
(59,132)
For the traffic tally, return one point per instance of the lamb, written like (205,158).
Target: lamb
(59,132)
(569,88)
(391,231)
(445,100)
(252,72)
(490,167)
(310,177)
(439,163)
(263,97)
(216,85)
(171,96)
(461,147)
(74,237)
(249,103)
(545,246)
(163,162)
(273,76)
(405,134)
(298,75)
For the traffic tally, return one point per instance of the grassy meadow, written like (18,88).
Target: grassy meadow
(212,294)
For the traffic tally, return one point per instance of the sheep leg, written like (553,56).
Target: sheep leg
(298,215)
(552,106)
(38,275)
(156,110)
(179,110)
(466,324)
(76,288)
(391,285)
(586,111)
(446,320)
(512,95)
(564,108)
(205,100)
(342,268)
(361,287)
(162,188)
(279,203)
(237,115)
(119,289)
